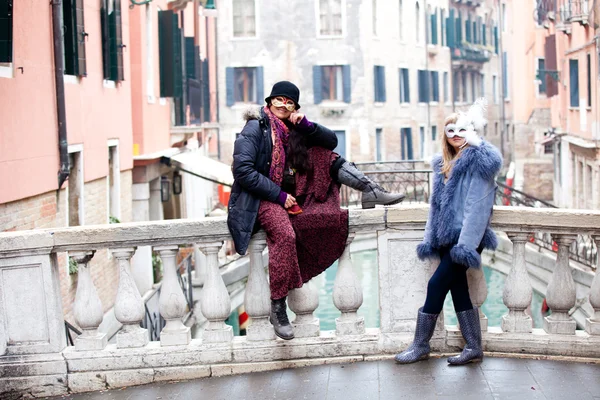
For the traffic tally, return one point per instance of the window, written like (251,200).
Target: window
(458,30)
(450,30)
(400,20)
(456,86)
(170,59)
(6,22)
(433,133)
(443,22)
(434,86)
(74,38)
(446,87)
(330,18)
(244,18)
(422,146)
(542,67)
(332,82)
(245,88)
(574,82)
(505,85)
(482,85)
(484,30)
(404,86)
(473,86)
(406,148)
(433,34)
(331,85)
(378,134)
(374,17)
(464,86)
(112,40)
(341,147)
(496,48)
(496,129)
(379,81)
(468,36)
(423,82)
(244,85)
(495,88)
(417,23)
(589,80)
(503,17)
(149,55)
(114,183)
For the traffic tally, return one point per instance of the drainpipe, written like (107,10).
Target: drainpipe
(503,133)
(61,115)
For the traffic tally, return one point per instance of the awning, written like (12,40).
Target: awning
(201,166)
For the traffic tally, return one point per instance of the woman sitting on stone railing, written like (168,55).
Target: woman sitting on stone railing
(457,230)
(287,179)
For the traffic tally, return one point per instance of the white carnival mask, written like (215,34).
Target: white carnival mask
(470,123)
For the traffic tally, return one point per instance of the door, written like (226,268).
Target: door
(341,147)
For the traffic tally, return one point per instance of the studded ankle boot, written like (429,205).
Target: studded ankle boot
(372,193)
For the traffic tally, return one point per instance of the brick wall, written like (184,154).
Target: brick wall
(49,210)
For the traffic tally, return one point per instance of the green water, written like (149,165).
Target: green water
(365,265)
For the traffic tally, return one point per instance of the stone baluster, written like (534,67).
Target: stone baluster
(560,295)
(214,298)
(517,292)
(257,299)
(348,296)
(129,306)
(87,308)
(172,303)
(478,292)
(303,302)
(592,324)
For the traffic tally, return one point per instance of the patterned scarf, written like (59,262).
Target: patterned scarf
(281,133)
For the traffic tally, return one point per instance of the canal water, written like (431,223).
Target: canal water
(365,265)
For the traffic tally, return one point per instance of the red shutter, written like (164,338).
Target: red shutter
(551,65)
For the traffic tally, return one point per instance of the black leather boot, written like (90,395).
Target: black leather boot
(372,193)
(279,319)
(419,349)
(470,328)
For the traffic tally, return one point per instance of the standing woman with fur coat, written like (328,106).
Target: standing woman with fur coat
(457,230)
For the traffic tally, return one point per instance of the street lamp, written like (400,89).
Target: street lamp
(165,189)
(177,186)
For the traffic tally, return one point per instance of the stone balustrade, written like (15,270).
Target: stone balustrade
(34,356)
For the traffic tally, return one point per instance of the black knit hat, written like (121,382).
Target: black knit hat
(287,89)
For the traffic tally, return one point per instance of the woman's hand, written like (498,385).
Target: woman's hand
(290,201)
(296,117)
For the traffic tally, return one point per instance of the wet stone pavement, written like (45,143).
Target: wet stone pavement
(494,378)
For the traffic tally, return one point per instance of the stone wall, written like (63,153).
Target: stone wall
(539,179)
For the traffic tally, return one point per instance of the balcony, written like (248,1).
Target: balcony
(471,53)
(569,11)
(36,360)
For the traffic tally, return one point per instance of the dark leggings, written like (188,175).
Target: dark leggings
(449,277)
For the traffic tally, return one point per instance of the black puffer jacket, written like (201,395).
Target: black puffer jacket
(251,166)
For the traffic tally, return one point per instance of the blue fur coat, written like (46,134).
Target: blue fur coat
(461,209)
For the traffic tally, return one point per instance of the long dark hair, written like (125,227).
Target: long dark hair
(297,151)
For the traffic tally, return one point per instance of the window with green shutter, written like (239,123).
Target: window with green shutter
(406,148)
(404,86)
(434,28)
(496,39)
(6,35)
(468,30)
(574,82)
(450,30)
(74,38)
(170,55)
(423,82)
(112,40)
(379,82)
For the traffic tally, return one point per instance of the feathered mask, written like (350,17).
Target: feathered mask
(470,124)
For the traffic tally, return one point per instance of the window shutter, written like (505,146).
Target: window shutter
(229,83)
(551,65)
(177,58)
(401,86)
(458,26)
(484,35)
(347,83)
(468,30)
(260,85)
(205,90)
(118,74)
(317,78)
(574,82)
(423,86)
(382,93)
(6,27)
(105,40)
(406,86)
(80,36)
(505,76)
(434,29)
(166,53)
(496,39)
(474,33)
(403,143)
(375,82)
(190,58)
(436,86)
(409,145)
(450,32)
